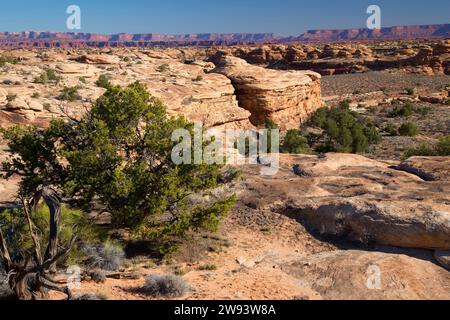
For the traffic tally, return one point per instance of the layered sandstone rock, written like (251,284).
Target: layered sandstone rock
(428,169)
(286,97)
(184,88)
(355,198)
(354,274)
(97,59)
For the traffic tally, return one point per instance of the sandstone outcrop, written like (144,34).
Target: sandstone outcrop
(286,97)
(184,88)
(97,59)
(360,275)
(351,197)
(426,168)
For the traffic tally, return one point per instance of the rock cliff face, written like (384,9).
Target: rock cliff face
(286,97)
(30,39)
(391,33)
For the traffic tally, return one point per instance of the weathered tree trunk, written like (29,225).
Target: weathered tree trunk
(53,202)
(29,280)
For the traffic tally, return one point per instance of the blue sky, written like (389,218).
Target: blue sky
(283,17)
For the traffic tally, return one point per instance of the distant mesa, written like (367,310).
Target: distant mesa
(32,39)
(391,33)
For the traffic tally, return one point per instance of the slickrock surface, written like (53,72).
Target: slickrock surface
(184,88)
(286,97)
(360,199)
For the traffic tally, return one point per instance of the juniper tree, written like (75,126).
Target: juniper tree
(119,155)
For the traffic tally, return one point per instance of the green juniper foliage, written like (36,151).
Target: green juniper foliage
(4,60)
(69,94)
(408,129)
(48,76)
(344,130)
(119,155)
(295,142)
(103,82)
(442,149)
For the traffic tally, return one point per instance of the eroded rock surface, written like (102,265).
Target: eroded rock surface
(351,197)
(286,97)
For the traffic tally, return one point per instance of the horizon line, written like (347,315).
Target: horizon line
(224,33)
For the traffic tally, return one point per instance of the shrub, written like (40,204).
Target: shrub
(35,95)
(208,267)
(48,76)
(372,134)
(405,110)
(344,130)
(106,256)
(408,129)
(11,97)
(198,78)
(295,142)
(391,129)
(423,110)
(98,276)
(69,94)
(163,68)
(270,125)
(4,60)
(103,82)
(410,91)
(360,140)
(164,286)
(422,151)
(443,147)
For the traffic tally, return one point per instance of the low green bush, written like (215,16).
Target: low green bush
(408,129)
(344,130)
(48,76)
(69,94)
(295,142)
(442,149)
(4,60)
(103,82)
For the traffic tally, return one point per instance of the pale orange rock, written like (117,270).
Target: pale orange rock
(286,97)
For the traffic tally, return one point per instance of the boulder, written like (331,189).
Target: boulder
(286,97)
(360,275)
(98,59)
(35,105)
(17,104)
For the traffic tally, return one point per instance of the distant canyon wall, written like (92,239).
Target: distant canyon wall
(33,39)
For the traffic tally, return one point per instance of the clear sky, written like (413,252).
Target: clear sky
(283,17)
